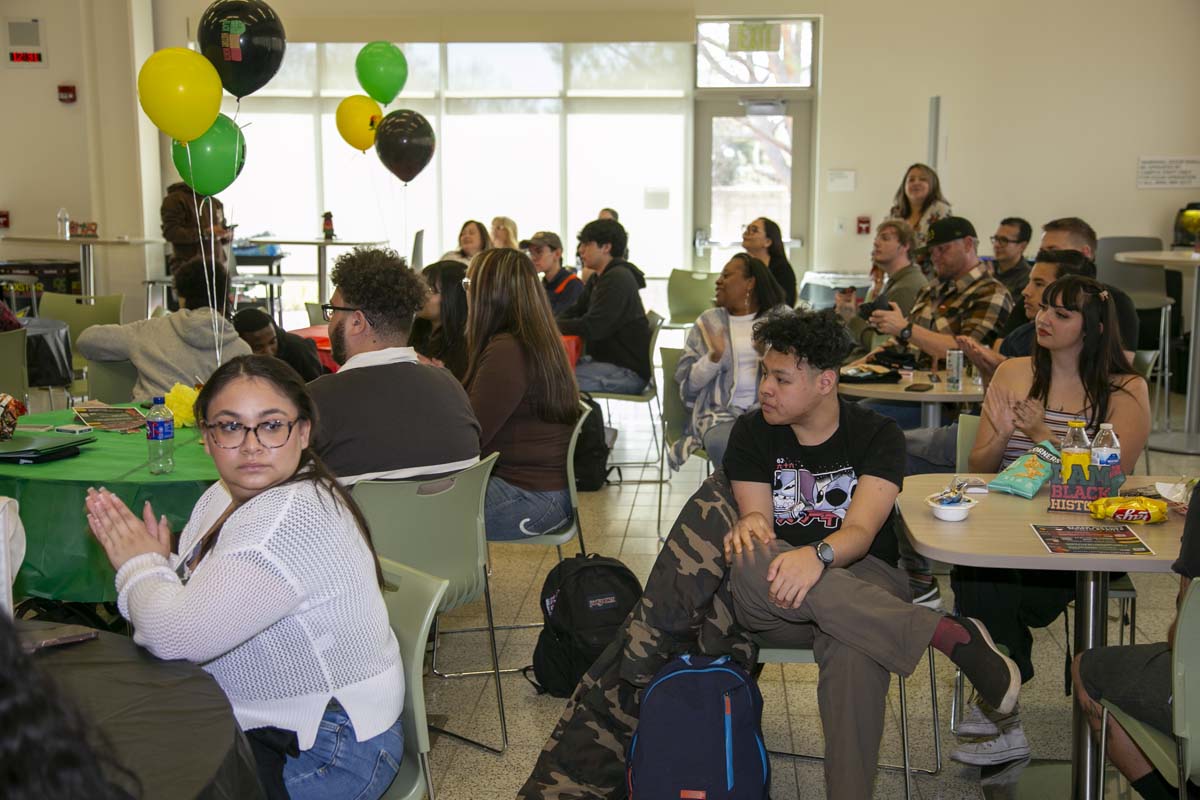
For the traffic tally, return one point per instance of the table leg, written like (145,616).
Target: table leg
(149,299)
(322,296)
(1187,443)
(1091,630)
(87,275)
(931,415)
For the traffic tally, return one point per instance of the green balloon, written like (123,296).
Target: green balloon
(382,71)
(216,158)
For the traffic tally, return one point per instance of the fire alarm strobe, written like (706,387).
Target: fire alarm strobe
(24,43)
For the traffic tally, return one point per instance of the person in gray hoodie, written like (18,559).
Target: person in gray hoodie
(179,347)
(609,315)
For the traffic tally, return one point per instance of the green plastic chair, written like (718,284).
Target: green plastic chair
(81,313)
(412,599)
(801,655)
(14,374)
(968,427)
(315,315)
(689,294)
(1173,756)
(436,525)
(649,396)
(111,381)
(674,422)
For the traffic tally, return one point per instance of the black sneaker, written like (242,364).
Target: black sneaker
(994,675)
(926,594)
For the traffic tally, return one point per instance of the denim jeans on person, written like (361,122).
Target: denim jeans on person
(511,512)
(716,441)
(908,415)
(338,766)
(600,376)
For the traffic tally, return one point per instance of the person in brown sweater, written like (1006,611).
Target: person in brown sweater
(523,393)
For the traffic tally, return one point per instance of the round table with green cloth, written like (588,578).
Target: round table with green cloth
(63,561)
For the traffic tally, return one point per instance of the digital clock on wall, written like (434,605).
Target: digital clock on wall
(25,42)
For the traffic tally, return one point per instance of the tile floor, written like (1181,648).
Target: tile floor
(621,521)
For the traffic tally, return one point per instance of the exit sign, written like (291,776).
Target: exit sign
(753,37)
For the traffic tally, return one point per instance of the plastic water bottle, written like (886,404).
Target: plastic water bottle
(1076,449)
(1106,450)
(160,436)
(64,224)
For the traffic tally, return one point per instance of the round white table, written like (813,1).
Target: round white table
(322,264)
(1188,442)
(87,269)
(931,400)
(998,534)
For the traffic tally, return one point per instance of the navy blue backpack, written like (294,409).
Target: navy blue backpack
(699,734)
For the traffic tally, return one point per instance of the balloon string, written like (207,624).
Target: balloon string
(404,220)
(215,305)
(209,288)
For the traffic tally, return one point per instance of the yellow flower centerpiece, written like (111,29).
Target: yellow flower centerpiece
(181,400)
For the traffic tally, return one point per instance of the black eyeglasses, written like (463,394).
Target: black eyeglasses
(328,309)
(1006,240)
(272,433)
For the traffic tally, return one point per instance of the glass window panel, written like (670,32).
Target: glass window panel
(491,69)
(629,67)
(631,160)
(297,75)
(790,65)
(751,173)
(368,202)
(502,160)
(338,78)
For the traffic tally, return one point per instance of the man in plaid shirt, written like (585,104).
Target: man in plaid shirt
(965,301)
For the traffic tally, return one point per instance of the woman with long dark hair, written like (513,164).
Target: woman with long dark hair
(1077,371)
(472,239)
(919,202)
(274,590)
(440,330)
(763,240)
(718,372)
(524,395)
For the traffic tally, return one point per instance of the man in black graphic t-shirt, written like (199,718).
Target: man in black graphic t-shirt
(813,554)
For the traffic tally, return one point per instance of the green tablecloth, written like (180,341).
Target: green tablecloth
(63,561)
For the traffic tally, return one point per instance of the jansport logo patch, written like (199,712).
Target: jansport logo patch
(692,794)
(600,602)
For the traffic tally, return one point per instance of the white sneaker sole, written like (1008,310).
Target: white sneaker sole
(992,758)
(1014,674)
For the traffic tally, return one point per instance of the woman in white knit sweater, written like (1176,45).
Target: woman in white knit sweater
(274,591)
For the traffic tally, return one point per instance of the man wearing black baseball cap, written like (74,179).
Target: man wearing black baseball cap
(563,286)
(965,300)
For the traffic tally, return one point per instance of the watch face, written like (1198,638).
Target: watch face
(825,552)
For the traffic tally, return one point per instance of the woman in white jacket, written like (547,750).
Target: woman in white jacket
(275,591)
(717,375)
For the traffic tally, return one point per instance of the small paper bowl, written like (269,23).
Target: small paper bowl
(955,513)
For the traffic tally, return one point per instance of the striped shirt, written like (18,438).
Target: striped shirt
(975,305)
(1057,421)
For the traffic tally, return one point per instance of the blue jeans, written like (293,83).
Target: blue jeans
(932,449)
(511,512)
(716,440)
(600,376)
(908,415)
(338,766)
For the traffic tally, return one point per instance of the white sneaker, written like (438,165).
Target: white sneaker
(981,720)
(1010,745)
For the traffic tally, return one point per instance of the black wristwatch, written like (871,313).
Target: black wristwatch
(824,552)
(906,333)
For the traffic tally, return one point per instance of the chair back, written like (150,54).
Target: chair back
(12,551)
(674,412)
(315,315)
(584,410)
(14,375)
(689,294)
(412,599)
(968,426)
(111,381)
(655,321)
(1144,361)
(81,313)
(1140,281)
(434,525)
(1185,667)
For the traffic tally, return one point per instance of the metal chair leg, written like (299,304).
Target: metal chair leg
(957,700)
(1133,620)
(904,741)
(1103,753)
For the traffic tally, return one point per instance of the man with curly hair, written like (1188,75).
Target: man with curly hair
(385,414)
(813,553)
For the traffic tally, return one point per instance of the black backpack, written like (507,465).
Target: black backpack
(585,600)
(591,450)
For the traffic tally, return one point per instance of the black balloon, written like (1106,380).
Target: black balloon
(244,40)
(404,142)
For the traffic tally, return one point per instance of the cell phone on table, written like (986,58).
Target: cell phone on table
(918,387)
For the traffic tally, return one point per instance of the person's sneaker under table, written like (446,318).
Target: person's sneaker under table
(994,675)
(926,594)
(1010,745)
(983,720)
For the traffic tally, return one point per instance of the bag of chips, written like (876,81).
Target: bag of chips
(1140,510)
(1025,476)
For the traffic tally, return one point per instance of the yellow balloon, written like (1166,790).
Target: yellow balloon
(357,117)
(180,91)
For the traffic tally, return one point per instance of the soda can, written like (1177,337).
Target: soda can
(954,370)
